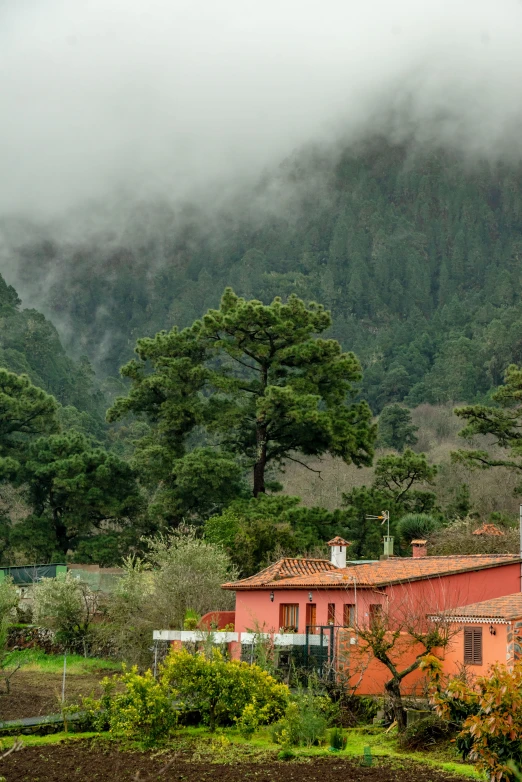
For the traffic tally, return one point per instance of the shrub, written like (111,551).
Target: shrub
(489,712)
(66,605)
(305,720)
(144,710)
(221,690)
(416,525)
(179,579)
(337,739)
(285,754)
(427,731)
(248,722)
(8,604)
(191,620)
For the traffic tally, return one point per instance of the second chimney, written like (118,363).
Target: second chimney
(338,548)
(419,548)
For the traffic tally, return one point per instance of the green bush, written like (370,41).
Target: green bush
(221,690)
(191,620)
(416,525)
(305,721)
(337,739)
(488,712)
(248,722)
(144,710)
(285,754)
(426,732)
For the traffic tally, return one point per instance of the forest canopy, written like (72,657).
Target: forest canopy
(414,261)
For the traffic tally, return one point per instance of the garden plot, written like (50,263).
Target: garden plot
(85,762)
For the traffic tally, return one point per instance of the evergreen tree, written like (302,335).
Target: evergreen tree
(75,491)
(256,530)
(396,429)
(400,487)
(25,412)
(256,377)
(501,422)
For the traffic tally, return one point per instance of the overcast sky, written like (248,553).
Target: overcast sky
(162,96)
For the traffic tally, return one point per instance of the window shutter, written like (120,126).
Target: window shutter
(473,645)
(468,646)
(477,645)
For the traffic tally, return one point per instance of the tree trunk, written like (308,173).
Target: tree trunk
(393,689)
(260,465)
(62,538)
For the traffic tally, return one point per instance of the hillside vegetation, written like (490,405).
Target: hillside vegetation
(417,255)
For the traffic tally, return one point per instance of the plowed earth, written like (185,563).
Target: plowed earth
(80,761)
(35,693)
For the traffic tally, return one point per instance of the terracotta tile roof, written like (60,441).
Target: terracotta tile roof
(321,573)
(488,529)
(284,569)
(337,541)
(503,608)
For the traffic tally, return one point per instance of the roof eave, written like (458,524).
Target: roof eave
(493,620)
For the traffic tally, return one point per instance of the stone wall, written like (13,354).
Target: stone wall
(32,637)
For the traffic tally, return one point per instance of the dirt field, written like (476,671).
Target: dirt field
(81,762)
(35,693)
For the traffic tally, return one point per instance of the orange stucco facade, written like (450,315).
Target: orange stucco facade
(494,650)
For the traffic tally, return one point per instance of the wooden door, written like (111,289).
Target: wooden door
(311,616)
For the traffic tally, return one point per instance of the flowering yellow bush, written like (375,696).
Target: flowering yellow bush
(221,690)
(145,709)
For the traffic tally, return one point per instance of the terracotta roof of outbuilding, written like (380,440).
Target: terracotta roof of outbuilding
(502,608)
(488,529)
(337,541)
(304,573)
(284,569)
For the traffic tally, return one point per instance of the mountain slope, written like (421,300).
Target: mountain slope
(418,256)
(31,345)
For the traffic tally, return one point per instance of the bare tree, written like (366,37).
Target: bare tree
(403,626)
(8,604)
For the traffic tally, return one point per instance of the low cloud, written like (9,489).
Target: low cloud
(110,100)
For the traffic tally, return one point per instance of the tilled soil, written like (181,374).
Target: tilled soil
(80,761)
(35,693)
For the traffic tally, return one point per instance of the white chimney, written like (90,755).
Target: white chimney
(338,548)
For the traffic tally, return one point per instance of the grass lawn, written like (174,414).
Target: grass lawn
(33,660)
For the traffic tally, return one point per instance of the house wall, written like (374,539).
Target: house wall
(494,650)
(460,589)
(255,611)
(367,675)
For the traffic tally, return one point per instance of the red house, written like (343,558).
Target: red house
(308,596)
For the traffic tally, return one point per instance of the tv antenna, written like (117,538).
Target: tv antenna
(384,519)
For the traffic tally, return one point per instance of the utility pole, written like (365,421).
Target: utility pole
(520,532)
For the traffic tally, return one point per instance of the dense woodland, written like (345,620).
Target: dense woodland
(415,255)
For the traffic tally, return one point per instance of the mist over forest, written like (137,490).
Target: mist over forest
(365,157)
